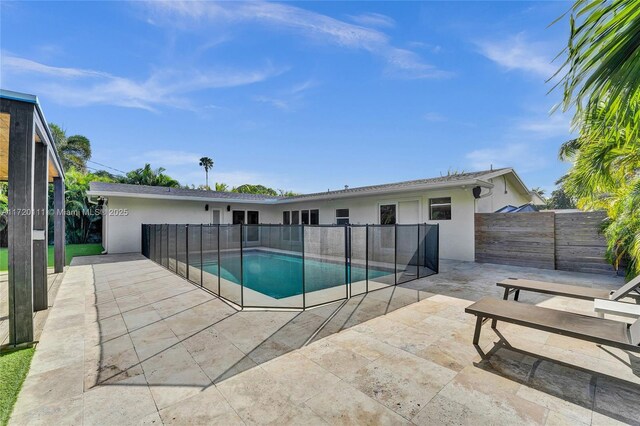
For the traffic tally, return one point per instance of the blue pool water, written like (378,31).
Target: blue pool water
(280,275)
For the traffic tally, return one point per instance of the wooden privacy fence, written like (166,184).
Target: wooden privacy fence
(548,240)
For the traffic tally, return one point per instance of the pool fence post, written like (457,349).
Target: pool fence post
(219,260)
(418,254)
(395,254)
(346,263)
(304,297)
(241,269)
(186,243)
(201,273)
(366,258)
(437,248)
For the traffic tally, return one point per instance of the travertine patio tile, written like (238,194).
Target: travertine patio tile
(488,395)
(128,303)
(269,349)
(127,402)
(101,312)
(450,354)
(617,399)
(167,304)
(104,330)
(560,411)
(61,412)
(173,375)
(615,368)
(334,358)
(62,354)
(417,345)
(258,400)
(409,317)
(407,338)
(361,344)
(197,318)
(301,377)
(402,382)
(153,339)
(561,388)
(205,408)
(555,418)
(216,355)
(140,317)
(344,405)
(444,411)
(598,419)
(458,314)
(110,362)
(51,386)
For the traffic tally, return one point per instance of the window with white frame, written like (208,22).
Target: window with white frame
(440,208)
(387,214)
(310,217)
(342,216)
(304,217)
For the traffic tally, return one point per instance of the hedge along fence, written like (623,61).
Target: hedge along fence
(547,240)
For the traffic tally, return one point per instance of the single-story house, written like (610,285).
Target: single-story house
(449,201)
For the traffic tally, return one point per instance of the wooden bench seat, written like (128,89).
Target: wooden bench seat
(574,291)
(583,327)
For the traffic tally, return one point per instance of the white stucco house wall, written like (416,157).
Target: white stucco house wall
(450,201)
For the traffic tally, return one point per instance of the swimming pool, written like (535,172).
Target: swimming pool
(280,275)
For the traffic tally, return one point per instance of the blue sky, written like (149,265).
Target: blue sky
(301,96)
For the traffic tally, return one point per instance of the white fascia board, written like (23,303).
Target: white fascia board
(329,196)
(413,188)
(178,197)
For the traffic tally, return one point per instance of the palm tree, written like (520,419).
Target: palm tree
(148,176)
(207,163)
(221,187)
(74,150)
(603,58)
(601,83)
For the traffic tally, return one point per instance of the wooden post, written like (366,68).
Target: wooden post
(58,224)
(40,226)
(20,220)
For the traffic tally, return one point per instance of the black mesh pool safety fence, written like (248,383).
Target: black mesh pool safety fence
(293,266)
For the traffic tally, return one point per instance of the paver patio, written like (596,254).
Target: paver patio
(128,342)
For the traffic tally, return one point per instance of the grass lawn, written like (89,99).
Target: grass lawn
(71,251)
(13,369)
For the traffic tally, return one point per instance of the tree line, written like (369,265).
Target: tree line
(83,225)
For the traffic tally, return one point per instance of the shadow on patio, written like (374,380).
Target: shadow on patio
(157,348)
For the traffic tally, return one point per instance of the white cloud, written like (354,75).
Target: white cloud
(521,156)
(190,14)
(517,53)
(554,125)
(290,98)
(10,62)
(168,87)
(372,19)
(434,117)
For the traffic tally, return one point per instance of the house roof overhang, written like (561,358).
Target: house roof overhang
(288,200)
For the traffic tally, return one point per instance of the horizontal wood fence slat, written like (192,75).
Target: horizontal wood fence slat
(547,240)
